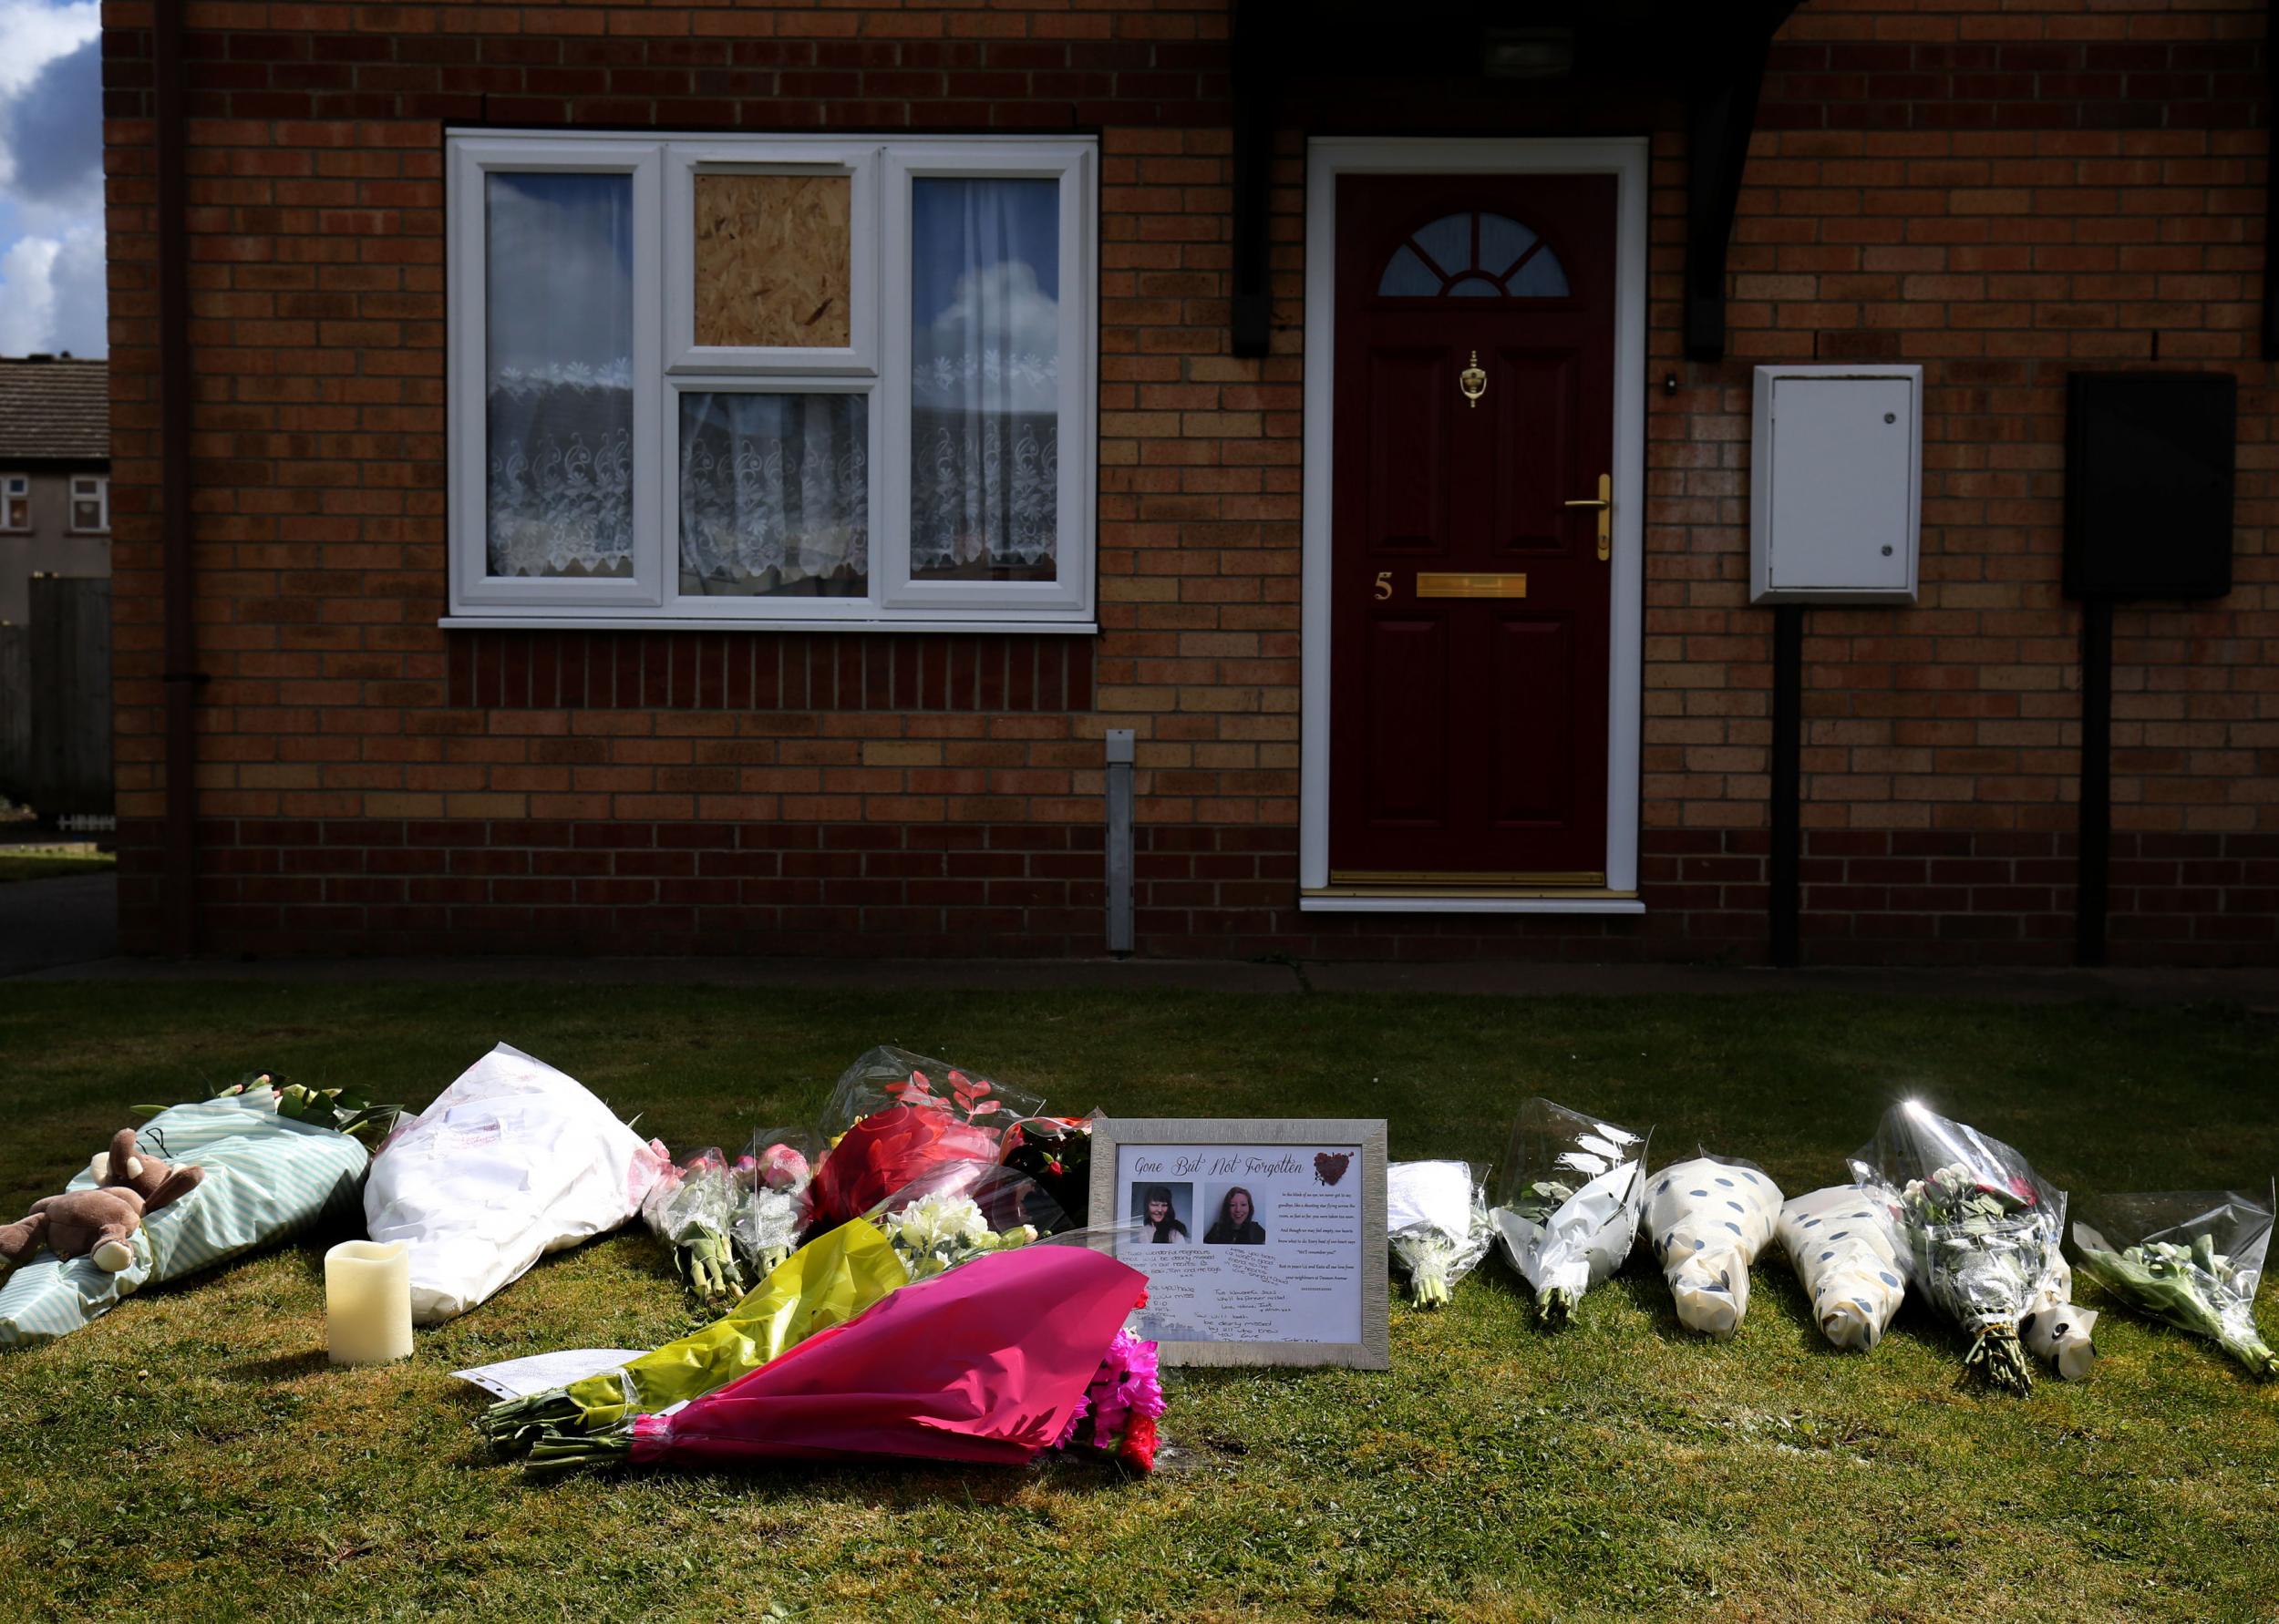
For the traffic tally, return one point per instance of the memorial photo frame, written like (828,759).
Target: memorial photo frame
(1260,1258)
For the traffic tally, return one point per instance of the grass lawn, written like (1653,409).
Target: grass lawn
(192,1456)
(53,862)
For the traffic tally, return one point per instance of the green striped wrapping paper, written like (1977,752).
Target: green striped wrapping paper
(267,1179)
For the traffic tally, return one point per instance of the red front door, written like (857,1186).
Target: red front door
(1475,352)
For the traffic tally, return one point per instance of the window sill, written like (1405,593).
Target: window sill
(1334,900)
(637,623)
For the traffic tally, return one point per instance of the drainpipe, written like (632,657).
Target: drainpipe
(178,875)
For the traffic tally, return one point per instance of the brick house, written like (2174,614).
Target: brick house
(711,477)
(55,474)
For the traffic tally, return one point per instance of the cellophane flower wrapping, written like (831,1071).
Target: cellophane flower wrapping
(1706,1218)
(771,1180)
(692,1208)
(1056,1151)
(1437,1225)
(1981,1227)
(957,1211)
(1849,1260)
(2192,1259)
(888,1151)
(886,1077)
(826,1282)
(985,1363)
(1567,1202)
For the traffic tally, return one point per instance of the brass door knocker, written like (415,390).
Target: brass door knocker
(1472,380)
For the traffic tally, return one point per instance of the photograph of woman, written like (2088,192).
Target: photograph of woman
(1235,1225)
(1159,1223)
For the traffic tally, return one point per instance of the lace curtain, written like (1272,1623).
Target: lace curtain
(985,380)
(558,271)
(774,495)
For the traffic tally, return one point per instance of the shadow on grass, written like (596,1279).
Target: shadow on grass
(282,1367)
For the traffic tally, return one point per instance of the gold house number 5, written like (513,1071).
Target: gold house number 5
(1383,585)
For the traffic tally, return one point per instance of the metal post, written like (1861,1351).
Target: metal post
(2096,781)
(1119,759)
(1787,745)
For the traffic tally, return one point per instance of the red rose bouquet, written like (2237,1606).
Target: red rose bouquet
(886,1151)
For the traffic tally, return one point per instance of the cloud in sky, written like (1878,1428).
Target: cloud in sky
(51,180)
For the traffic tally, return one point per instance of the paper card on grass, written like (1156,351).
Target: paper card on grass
(519,1378)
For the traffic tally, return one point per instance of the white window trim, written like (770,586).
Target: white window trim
(100,495)
(472,585)
(667,361)
(1626,158)
(1070,591)
(15,487)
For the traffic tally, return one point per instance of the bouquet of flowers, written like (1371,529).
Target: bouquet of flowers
(989,1362)
(893,1115)
(692,1209)
(885,1152)
(1117,1413)
(957,1211)
(1057,1152)
(887,1077)
(1437,1225)
(1982,1229)
(826,1282)
(2191,1257)
(1567,1206)
(343,1110)
(1849,1259)
(771,1210)
(1707,1219)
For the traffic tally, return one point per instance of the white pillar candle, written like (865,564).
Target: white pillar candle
(367,1301)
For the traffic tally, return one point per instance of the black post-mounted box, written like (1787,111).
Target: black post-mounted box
(2148,471)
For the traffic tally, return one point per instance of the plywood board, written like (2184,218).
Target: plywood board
(773,261)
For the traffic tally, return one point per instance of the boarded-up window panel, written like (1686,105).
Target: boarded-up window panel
(772,260)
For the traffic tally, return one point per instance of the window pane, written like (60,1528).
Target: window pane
(558,320)
(775,495)
(1407,277)
(985,379)
(772,257)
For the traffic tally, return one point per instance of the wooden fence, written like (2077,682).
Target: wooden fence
(56,700)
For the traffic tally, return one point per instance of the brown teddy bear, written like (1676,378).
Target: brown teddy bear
(98,1223)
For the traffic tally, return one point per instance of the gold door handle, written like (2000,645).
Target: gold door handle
(1605,503)
(1473,380)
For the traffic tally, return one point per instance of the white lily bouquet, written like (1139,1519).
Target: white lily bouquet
(1706,1219)
(1849,1260)
(2190,1257)
(1567,1202)
(1982,1231)
(1435,1225)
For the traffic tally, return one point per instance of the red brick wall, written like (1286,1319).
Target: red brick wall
(2000,194)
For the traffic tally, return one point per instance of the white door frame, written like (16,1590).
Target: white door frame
(1625,158)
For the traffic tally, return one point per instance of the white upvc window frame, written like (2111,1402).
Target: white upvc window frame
(473,587)
(876,363)
(100,493)
(14,489)
(1070,590)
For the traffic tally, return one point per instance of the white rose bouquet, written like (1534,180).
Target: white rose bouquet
(1567,1202)
(1849,1260)
(2190,1257)
(1982,1229)
(1437,1225)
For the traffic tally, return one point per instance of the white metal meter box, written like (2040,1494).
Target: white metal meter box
(1835,485)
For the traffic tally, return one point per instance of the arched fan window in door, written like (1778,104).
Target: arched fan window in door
(1473,255)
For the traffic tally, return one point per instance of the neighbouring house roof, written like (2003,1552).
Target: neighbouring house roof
(55,409)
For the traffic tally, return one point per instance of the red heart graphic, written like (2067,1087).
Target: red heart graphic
(1328,1168)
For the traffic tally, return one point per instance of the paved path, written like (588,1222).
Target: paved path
(2255,988)
(59,923)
